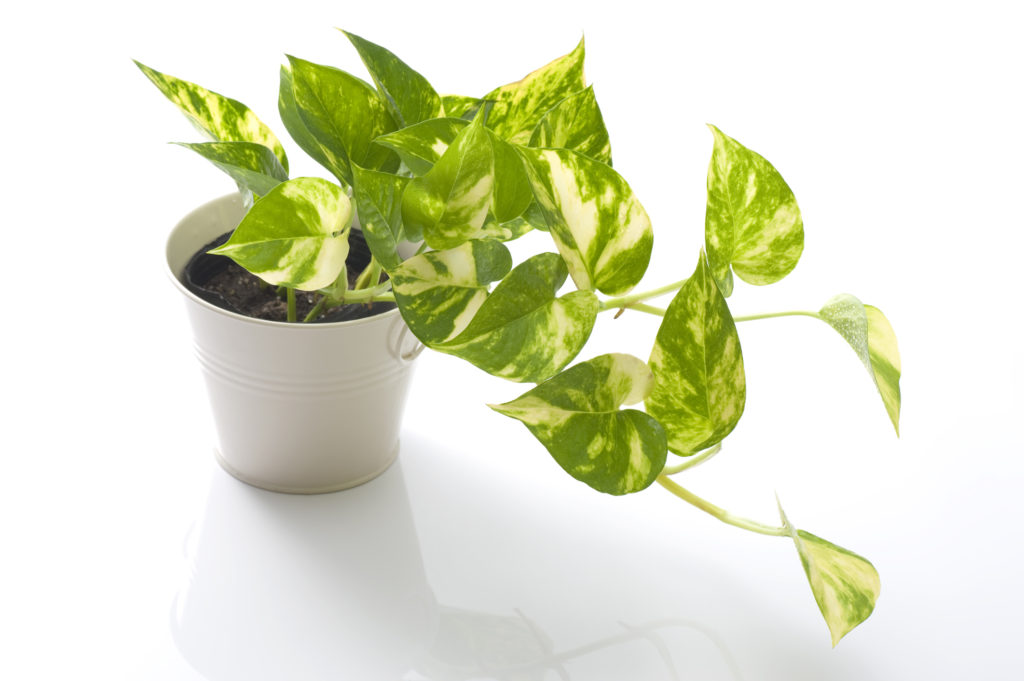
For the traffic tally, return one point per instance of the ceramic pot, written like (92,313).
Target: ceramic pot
(300,408)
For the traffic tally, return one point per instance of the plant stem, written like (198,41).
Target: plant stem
(640,307)
(626,301)
(692,461)
(370,276)
(720,513)
(317,309)
(771,315)
(291,304)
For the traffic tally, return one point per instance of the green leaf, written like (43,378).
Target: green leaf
(343,114)
(700,389)
(752,221)
(522,332)
(845,585)
(221,118)
(408,95)
(450,203)
(871,336)
(420,146)
(439,292)
(378,198)
(576,416)
(575,123)
(253,166)
(597,222)
(296,127)
(295,236)
(512,190)
(519,106)
(460,106)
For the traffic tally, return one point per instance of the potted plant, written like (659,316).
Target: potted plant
(438,185)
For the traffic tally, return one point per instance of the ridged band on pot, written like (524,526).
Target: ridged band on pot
(302,408)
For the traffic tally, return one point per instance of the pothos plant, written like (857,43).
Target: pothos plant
(461,175)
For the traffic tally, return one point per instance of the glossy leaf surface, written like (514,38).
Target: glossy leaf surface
(577,417)
(295,236)
(575,123)
(598,224)
(420,146)
(378,199)
(296,127)
(700,389)
(752,223)
(460,106)
(253,166)
(871,336)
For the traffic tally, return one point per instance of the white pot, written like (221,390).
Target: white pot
(301,408)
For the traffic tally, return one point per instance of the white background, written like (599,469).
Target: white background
(897,124)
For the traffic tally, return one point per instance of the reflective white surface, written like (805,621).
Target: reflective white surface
(127,554)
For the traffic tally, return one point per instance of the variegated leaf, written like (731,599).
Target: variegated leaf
(700,388)
(378,198)
(408,95)
(522,332)
(752,222)
(439,292)
(460,106)
(253,166)
(343,114)
(597,222)
(512,190)
(519,106)
(871,336)
(420,146)
(575,123)
(450,203)
(845,585)
(221,118)
(295,236)
(577,417)
(296,127)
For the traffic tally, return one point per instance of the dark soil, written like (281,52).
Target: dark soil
(219,281)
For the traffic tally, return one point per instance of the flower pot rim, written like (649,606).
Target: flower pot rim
(176,280)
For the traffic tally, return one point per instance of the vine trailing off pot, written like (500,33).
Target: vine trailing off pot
(458,176)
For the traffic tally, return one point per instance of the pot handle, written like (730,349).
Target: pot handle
(407,355)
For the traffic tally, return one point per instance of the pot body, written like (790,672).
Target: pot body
(300,408)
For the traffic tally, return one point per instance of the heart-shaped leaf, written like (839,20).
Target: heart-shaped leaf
(523,332)
(575,123)
(407,94)
(871,336)
(700,388)
(845,585)
(221,118)
(519,106)
(296,127)
(378,198)
(597,222)
(439,292)
(253,166)
(295,236)
(576,416)
(752,222)
(343,114)
(420,146)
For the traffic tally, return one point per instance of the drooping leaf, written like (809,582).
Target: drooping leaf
(296,127)
(597,222)
(699,389)
(845,585)
(420,146)
(439,292)
(752,222)
(253,166)
(378,198)
(575,123)
(577,416)
(523,332)
(221,118)
(343,114)
(460,106)
(450,203)
(871,336)
(407,94)
(295,236)
(519,106)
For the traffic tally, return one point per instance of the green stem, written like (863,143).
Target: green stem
(317,309)
(720,513)
(692,461)
(370,276)
(626,301)
(772,315)
(291,305)
(640,307)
